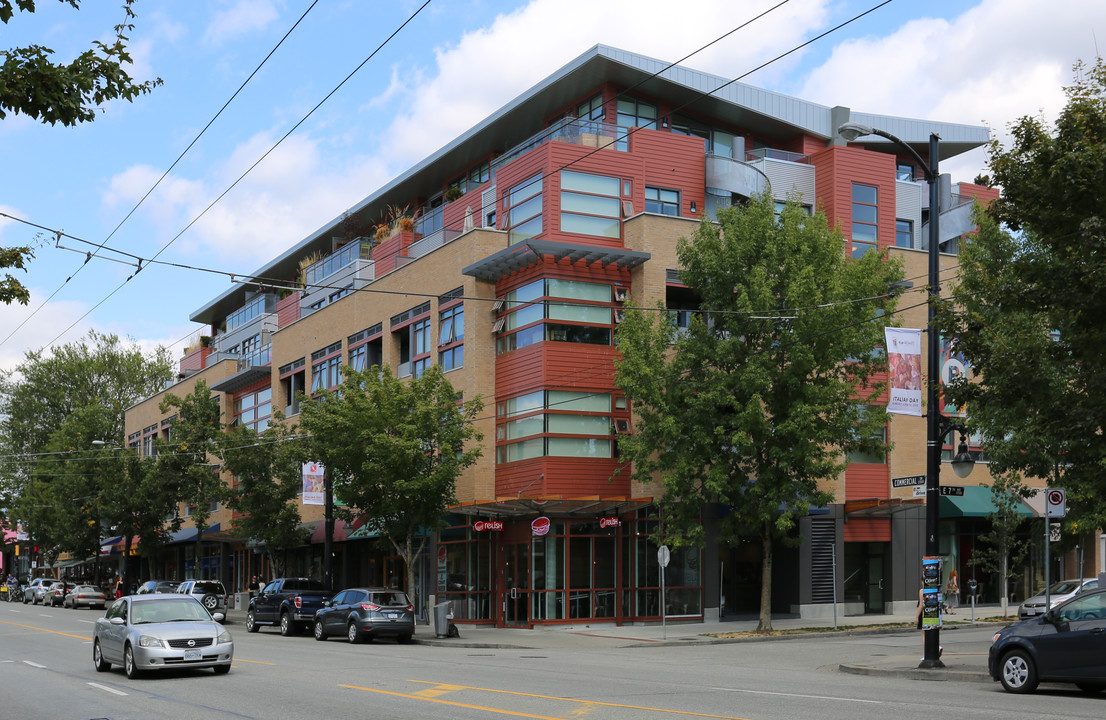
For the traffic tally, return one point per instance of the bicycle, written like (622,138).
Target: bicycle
(15,594)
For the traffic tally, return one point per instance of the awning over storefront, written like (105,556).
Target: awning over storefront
(554,506)
(975,502)
(117,545)
(342,530)
(881,507)
(182,535)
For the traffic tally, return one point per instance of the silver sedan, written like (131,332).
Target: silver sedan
(159,632)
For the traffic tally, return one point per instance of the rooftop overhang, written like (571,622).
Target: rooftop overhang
(771,115)
(243,378)
(881,507)
(533,252)
(554,506)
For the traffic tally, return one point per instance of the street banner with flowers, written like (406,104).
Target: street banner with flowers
(904,369)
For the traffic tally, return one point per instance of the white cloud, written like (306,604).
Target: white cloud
(240,17)
(994,63)
(487,68)
(51,319)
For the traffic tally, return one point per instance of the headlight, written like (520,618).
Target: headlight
(224,637)
(150,641)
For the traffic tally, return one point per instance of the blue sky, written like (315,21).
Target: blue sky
(973,61)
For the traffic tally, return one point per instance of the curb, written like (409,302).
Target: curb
(941,674)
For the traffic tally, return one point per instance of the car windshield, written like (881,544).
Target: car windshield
(169,610)
(87,589)
(1064,587)
(390,598)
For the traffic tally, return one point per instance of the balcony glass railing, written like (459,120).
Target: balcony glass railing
(773,154)
(257,307)
(344,256)
(262,357)
(576,131)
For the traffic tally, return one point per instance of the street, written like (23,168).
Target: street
(46,672)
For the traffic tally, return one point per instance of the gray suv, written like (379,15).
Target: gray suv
(209,592)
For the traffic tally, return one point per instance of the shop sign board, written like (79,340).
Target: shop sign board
(487,525)
(540,526)
(608,522)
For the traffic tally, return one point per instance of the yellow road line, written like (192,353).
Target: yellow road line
(255,662)
(585,702)
(32,627)
(454,704)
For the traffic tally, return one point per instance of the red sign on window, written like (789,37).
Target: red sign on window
(482,525)
(540,526)
(608,522)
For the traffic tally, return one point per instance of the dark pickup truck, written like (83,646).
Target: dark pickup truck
(289,603)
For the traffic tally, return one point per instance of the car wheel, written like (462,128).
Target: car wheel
(353,634)
(98,660)
(222,669)
(251,623)
(210,602)
(406,639)
(1090,688)
(287,625)
(1018,673)
(320,633)
(129,665)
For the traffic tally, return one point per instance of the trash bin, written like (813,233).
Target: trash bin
(442,616)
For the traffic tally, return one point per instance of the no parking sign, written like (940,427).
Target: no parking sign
(1056,503)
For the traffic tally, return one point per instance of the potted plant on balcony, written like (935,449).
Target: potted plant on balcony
(453,193)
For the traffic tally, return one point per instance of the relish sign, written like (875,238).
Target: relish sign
(487,525)
(608,522)
(540,526)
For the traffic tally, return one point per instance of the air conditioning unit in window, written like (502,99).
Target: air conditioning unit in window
(498,326)
(498,304)
(619,316)
(620,294)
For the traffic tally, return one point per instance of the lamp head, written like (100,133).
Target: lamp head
(852,130)
(963,462)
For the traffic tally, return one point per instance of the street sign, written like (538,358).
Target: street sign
(952,490)
(908,481)
(663,555)
(1056,503)
(919,490)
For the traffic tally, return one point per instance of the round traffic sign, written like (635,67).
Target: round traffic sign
(1055,497)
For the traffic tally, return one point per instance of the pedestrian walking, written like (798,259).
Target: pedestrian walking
(952,593)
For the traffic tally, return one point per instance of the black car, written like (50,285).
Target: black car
(366,613)
(1066,644)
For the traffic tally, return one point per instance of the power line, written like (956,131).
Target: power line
(159,180)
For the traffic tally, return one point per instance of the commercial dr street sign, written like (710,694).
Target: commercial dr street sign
(908,481)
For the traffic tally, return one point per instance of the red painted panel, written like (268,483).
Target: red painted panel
(863,481)
(195,360)
(288,310)
(867,530)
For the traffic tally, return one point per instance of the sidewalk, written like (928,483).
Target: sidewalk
(599,636)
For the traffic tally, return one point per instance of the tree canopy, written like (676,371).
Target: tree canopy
(751,406)
(1030,304)
(393,450)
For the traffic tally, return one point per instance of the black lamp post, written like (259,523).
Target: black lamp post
(937,426)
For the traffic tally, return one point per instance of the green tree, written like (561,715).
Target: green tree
(33,84)
(185,461)
(1002,548)
(10,288)
(45,400)
(1030,306)
(394,449)
(267,468)
(752,407)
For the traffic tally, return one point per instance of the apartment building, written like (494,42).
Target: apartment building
(574,194)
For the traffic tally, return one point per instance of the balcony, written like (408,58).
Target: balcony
(431,242)
(575,131)
(360,249)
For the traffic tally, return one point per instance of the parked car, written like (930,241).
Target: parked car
(209,592)
(1066,644)
(366,613)
(55,594)
(88,596)
(34,592)
(1058,593)
(159,632)
(290,603)
(151,587)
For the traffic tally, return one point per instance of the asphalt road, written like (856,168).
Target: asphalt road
(46,672)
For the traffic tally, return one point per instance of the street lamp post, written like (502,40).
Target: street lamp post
(937,426)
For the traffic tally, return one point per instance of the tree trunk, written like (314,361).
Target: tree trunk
(765,624)
(1003,582)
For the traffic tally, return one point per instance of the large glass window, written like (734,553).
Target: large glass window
(554,414)
(254,409)
(904,233)
(326,368)
(877,457)
(523,314)
(633,113)
(864,219)
(590,204)
(451,336)
(524,210)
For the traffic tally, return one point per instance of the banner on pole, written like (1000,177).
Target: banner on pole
(313,484)
(904,366)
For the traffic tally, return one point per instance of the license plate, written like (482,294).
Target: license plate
(392,616)
(193,655)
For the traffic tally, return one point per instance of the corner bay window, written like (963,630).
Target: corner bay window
(533,425)
(253,409)
(527,319)
(590,204)
(524,211)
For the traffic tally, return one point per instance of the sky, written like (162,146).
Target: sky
(359,91)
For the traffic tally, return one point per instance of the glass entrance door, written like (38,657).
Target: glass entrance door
(516,583)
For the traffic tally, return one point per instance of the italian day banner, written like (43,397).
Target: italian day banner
(904,362)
